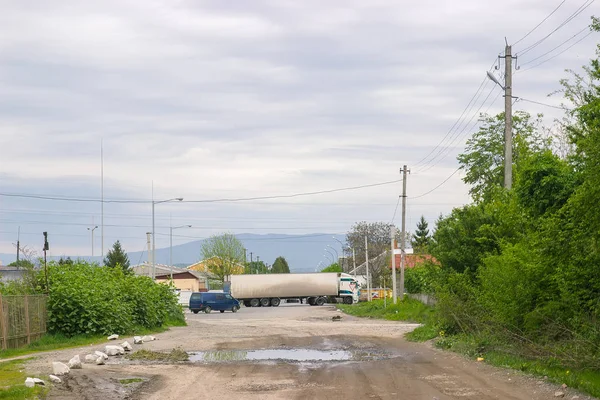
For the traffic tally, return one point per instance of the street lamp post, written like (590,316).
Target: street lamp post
(154,235)
(171,245)
(329,254)
(92,230)
(341,246)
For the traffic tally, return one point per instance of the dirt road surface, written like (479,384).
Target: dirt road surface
(370,359)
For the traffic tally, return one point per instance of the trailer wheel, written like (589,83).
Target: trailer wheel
(255,303)
(320,301)
(275,301)
(348,300)
(247,303)
(265,302)
(311,301)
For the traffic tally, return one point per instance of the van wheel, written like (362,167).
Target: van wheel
(265,302)
(235,309)
(348,300)
(222,311)
(320,301)
(275,301)
(195,311)
(254,303)
(207,310)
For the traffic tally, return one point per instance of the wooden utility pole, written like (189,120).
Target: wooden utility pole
(367,267)
(405,171)
(508,117)
(394,289)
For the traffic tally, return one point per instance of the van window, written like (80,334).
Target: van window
(220,296)
(196,296)
(228,297)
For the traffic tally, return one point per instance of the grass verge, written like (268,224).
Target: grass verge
(130,381)
(58,341)
(12,382)
(406,310)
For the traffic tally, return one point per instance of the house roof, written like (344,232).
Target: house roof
(183,275)
(412,260)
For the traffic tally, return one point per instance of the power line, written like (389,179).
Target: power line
(396,209)
(544,104)
(538,25)
(556,47)
(462,133)
(438,186)
(223,200)
(556,55)
(581,8)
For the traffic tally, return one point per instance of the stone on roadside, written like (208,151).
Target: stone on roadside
(59,368)
(113,337)
(137,340)
(126,346)
(54,379)
(101,354)
(564,386)
(90,358)
(100,361)
(114,350)
(29,382)
(75,362)
(38,381)
(559,394)
(148,339)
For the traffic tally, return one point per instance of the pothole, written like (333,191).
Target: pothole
(289,355)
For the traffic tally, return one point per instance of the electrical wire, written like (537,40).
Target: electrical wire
(581,8)
(438,186)
(538,25)
(223,200)
(463,132)
(556,47)
(556,55)
(544,104)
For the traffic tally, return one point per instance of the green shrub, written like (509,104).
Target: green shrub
(89,299)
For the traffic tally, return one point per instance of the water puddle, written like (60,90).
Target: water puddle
(290,355)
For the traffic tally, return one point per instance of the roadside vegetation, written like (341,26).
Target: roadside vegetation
(407,310)
(174,355)
(516,273)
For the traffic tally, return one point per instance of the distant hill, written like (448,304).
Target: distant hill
(303,252)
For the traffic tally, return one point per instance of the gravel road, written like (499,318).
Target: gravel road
(370,359)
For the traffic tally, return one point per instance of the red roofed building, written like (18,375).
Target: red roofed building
(412,260)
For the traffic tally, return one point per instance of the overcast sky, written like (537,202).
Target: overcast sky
(233,99)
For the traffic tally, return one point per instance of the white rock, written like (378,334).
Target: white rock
(101,354)
(60,369)
(113,337)
(126,346)
(148,339)
(91,358)
(559,394)
(114,350)
(55,379)
(38,381)
(29,382)
(100,361)
(75,362)
(137,340)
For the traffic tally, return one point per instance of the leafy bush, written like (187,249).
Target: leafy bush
(88,299)
(422,278)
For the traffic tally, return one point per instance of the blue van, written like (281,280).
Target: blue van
(208,301)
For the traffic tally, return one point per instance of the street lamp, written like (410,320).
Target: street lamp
(92,230)
(337,255)
(154,235)
(342,247)
(332,255)
(329,254)
(171,245)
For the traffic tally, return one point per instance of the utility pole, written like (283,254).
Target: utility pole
(367,267)
(257,264)
(405,171)
(354,262)
(149,243)
(46,248)
(251,262)
(18,244)
(394,290)
(102,198)
(508,117)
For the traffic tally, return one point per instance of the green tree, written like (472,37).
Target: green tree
(335,267)
(224,254)
(483,160)
(21,264)
(117,257)
(280,266)
(421,238)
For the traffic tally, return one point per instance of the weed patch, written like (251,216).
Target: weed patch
(175,355)
(406,310)
(12,382)
(129,381)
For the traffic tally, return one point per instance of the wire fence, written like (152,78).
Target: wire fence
(22,320)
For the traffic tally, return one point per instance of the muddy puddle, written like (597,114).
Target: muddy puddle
(289,355)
